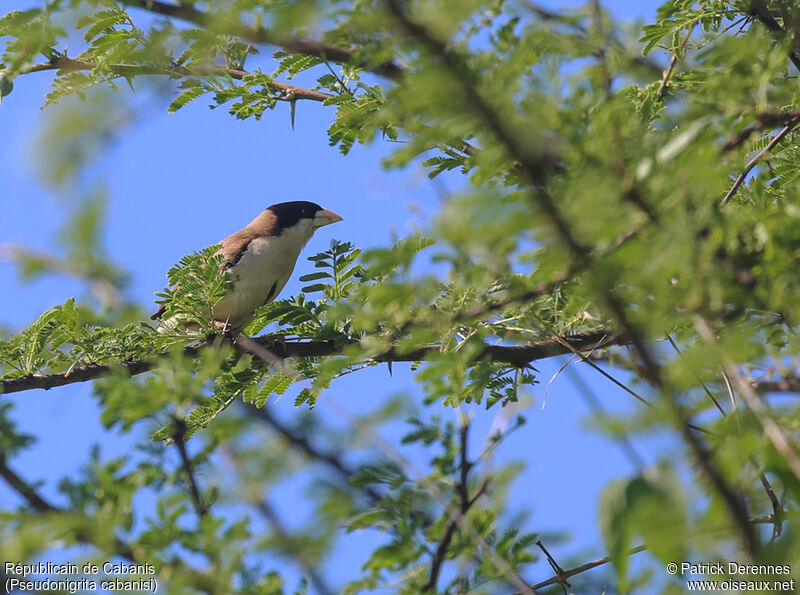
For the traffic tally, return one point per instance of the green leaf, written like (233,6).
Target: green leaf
(315,276)
(187,96)
(101,21)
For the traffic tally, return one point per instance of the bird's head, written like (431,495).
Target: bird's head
(302,213)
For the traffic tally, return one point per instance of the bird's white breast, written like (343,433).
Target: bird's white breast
(260,274)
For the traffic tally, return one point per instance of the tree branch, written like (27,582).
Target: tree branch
(759,9)
(201,581)
(673,61)
(560,577)
(763,120)
(301,442)
(40,505)
(533,162)
(564,575)
(257,34)
(535,167)
(573,23)
(560,574)
(760,156)
(517,355)
(788,384)
(292,548)
(23,488)
(179,439)
(465,502)
(65,63)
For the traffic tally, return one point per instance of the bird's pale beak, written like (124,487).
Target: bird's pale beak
(325,217)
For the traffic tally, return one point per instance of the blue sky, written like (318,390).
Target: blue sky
(177,183)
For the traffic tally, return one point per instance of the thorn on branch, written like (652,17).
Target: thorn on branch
(581,569)
(561,576)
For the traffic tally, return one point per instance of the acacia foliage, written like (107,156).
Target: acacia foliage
(636,183)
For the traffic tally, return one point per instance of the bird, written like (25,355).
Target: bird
(260,259)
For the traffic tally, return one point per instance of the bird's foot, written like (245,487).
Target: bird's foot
(226,329)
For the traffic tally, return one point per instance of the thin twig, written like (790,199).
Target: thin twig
(65,63)
(574,23)
(673,61)
(465,503)
(755,160)
(581,569)
(23,488)
(533,162)
(763,120)
(599,412)
(562,580)
(179,438)
(301,442)
(771,428)
(432,488)
(777,509)
(652,372)
(199,580)
(454,512)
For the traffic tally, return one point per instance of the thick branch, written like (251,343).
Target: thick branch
(516,355)
(187,12)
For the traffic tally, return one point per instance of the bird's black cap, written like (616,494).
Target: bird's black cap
(289,213)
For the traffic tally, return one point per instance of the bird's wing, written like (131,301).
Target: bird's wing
(235,245)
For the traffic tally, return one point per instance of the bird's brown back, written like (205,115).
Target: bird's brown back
(235,245)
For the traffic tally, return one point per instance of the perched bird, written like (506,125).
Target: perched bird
(260,258)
